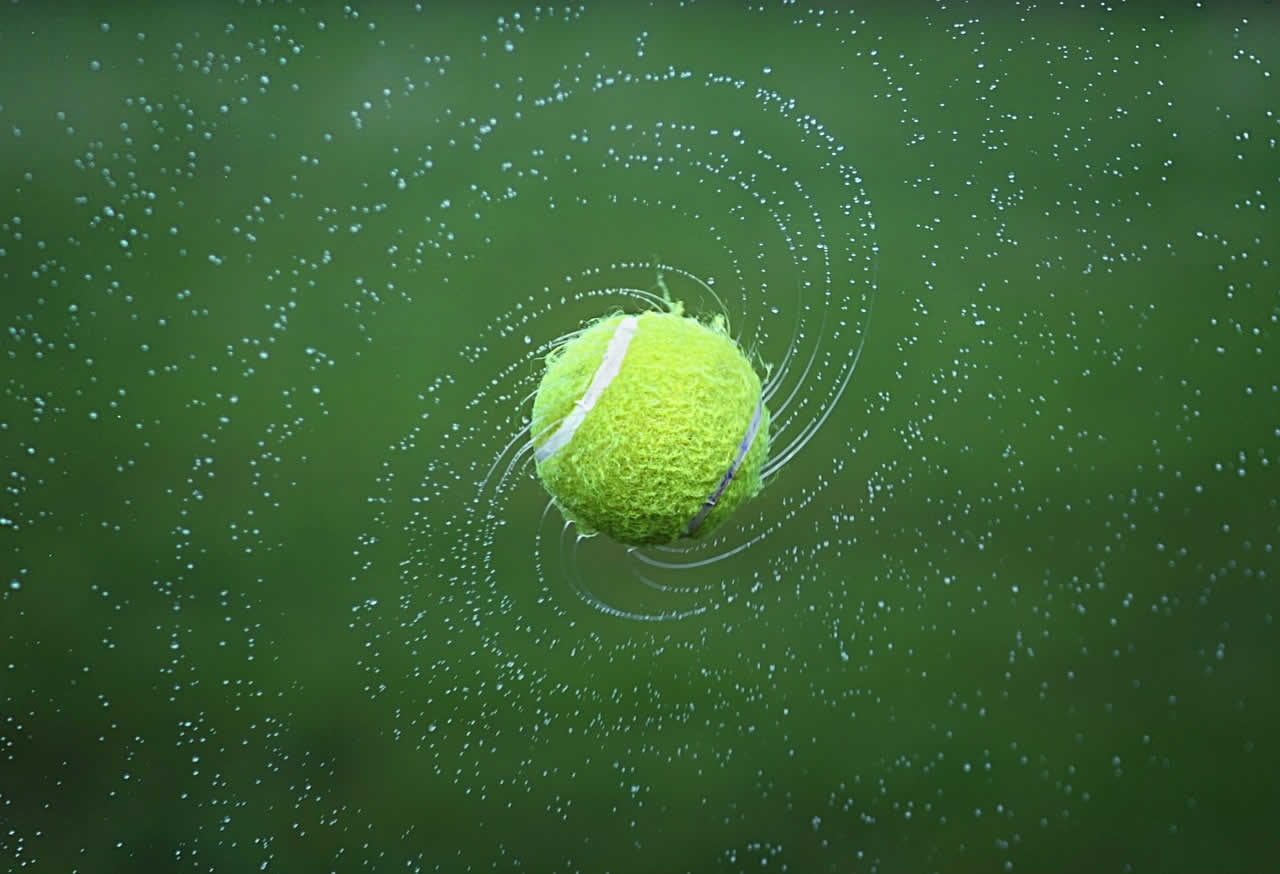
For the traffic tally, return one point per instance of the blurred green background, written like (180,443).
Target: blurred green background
(277,280)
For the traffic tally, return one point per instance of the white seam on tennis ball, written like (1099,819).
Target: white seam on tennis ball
(743,448)
(610,364)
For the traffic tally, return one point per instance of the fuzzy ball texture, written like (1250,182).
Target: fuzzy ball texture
(650,428)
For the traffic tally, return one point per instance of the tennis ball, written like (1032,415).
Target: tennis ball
(650,428)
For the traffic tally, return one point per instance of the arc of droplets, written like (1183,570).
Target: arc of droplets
(793,375)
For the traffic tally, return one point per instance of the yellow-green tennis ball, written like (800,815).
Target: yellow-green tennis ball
(650,428)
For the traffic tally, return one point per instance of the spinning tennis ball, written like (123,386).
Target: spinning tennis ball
(650,428)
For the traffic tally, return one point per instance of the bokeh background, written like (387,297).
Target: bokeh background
(279,591)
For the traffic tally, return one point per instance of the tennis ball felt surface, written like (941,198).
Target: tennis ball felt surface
(650,428)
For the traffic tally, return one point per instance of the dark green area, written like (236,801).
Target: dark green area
(261,610)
